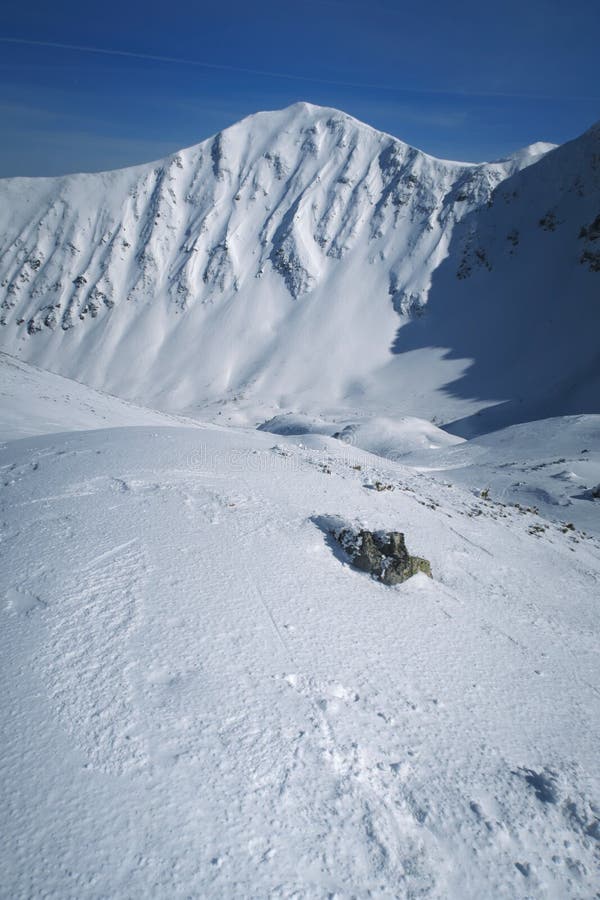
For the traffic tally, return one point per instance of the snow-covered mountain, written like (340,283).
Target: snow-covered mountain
(275,260)
(202,695)
(519,294)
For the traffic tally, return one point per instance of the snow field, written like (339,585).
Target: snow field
(203,699)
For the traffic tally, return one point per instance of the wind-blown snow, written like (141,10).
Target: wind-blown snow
(201,698)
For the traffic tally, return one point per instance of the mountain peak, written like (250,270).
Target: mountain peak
(300,115)
(528,154)
(295,236)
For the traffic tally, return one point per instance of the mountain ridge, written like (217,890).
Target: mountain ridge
(273,261)
(537,147)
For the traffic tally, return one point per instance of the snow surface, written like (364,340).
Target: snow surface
(550,465)
(202,698)
(387,437)
(36,402)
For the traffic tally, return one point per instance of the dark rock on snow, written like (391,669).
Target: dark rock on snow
(382,554)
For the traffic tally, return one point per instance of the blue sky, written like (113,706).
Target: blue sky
(463,80)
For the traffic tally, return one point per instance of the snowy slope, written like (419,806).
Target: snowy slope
(519,296)
(201,698)
(36,402)
(274,261)
(391,438)
(551,466)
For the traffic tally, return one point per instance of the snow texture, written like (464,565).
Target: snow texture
(201,696)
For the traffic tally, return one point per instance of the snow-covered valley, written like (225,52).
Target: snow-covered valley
(311,323)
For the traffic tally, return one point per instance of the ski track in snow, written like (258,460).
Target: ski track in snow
(202,701)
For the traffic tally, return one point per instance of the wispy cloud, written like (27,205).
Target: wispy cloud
(267,73)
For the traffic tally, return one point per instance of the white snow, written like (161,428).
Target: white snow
(387,437)
(275,263)
(36,402)
(552,465)
(201,697)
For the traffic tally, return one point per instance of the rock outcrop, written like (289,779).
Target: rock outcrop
(382,554)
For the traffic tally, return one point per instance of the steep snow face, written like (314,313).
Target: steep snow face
(277,258)
(519,296)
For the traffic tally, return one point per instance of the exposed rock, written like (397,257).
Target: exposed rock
(286,260)
(219,271)
(382,554)
(216,155)
(549,221)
